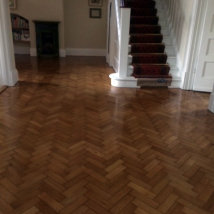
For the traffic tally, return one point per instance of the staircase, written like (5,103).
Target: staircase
(147,52)
(151,59)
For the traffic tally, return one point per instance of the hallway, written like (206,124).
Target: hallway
(70,144)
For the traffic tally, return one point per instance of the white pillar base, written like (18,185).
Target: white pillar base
(124,82)
(132,82)
(13,78)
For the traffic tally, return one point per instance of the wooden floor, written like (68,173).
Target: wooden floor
(72,144)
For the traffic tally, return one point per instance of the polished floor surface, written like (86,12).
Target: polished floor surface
(72,144)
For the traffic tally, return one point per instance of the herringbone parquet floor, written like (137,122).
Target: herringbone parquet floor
(72,144)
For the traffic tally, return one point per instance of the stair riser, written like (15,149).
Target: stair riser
(146,29)
(141,4)
(148,49)
(145,39)
(148,21)
(146,70)
(154,83)
(143,12)
(173,71)
(150,59)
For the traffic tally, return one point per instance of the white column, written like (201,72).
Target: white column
(211,104)
(8,72)
(124,42)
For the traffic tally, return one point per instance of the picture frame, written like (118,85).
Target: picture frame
(12,4)
(95,3)
(95,13)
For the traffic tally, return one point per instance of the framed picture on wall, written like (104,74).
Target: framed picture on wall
(95,13)
(95,3)
(12,4)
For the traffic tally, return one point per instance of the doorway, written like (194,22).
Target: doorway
(204,76)
(200,69)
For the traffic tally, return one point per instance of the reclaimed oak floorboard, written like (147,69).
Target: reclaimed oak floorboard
(70,144)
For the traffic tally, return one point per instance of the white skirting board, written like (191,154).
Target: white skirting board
(33,52)
(62,53)
(75,52)
(211,104)
(85,52)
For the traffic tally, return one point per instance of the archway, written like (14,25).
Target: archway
(21,34)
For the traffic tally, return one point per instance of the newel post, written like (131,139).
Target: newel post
(124,42)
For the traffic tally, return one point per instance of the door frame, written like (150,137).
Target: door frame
(108,39)
(194,44)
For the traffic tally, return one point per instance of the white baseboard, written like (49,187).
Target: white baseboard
(75,52)
(211,103)
(85,52)
(33,52)
(62,53)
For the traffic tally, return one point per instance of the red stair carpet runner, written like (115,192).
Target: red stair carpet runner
(148,52)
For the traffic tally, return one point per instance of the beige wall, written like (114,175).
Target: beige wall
(180,14)
(80,30)
(77,30)
(44,10)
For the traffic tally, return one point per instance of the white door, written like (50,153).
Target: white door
(204,77)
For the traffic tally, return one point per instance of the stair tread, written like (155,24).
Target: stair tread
(148,34)
(152,20)
(147,44)
(139,12)
(146,64)
(141,8)
(154,16)
(142,54)
(146,17)
(144,25)
(143,3)
(148,77)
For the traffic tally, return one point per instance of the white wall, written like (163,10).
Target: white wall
(179,14)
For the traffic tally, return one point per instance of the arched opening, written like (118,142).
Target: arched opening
(20,33)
